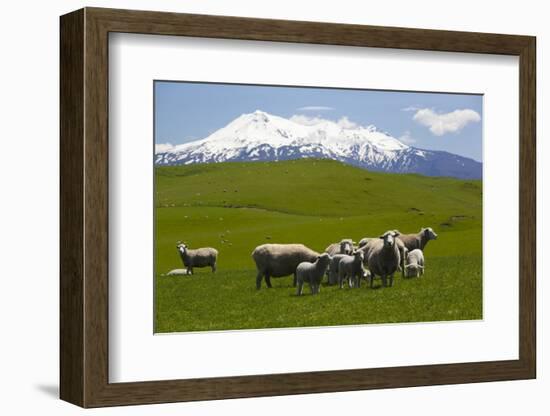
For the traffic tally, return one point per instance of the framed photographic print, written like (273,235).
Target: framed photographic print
(255,207)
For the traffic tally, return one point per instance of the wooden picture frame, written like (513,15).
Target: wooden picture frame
(84,207)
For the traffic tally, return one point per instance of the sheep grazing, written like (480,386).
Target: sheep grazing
(415,263)
(351,267)
(279,260)
(383,257)
(419,240)
(345,246)
(199,257)
(312,273)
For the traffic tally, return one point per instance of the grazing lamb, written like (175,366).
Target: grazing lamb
(383,257)
(333,268)
(278,260)
(345,246)
(312,273)
(199,257)
(419,240)
(351,267)
(415,263)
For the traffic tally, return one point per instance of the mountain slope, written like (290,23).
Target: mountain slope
(260,136)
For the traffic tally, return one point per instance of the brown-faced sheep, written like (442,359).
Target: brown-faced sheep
(383,257)
(279,260)
(312,273)
(199,257)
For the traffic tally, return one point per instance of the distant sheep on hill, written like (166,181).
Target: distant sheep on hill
(200,257)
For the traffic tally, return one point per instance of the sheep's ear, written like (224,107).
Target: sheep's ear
(396,233)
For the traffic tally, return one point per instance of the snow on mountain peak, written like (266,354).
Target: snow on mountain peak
(263,136)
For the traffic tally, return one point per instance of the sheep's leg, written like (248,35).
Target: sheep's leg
(358,279)
(259,278)
(299,288)
(189,270)
(268,280)
(384,280)
(294,280)
(391,280)
(214,268)
(371,280)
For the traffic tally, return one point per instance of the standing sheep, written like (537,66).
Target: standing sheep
(400,245)
(312,273)
(351,267)
(200,257)
(345,246)
(333,268)
(383,257)
(418,240)
(278,260)
(415,263)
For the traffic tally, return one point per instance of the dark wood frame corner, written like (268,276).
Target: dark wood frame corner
(84,207)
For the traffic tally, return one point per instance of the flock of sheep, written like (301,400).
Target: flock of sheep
(341,262)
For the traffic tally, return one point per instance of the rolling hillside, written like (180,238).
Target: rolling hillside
(238,205)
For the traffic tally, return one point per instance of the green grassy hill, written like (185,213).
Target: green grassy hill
(236,206)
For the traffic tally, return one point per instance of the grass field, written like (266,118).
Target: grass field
(236,206)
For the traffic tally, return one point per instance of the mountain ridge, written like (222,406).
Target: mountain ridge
(260,136)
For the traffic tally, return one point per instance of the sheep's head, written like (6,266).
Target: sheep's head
(323,259)
(389,238)
(429,233)
(182,247)
(358,254)
(346,247)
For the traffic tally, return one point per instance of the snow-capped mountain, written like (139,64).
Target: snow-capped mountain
(260,136)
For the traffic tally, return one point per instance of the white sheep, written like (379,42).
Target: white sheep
(383,257)
(278,260)
(415,263)
(333,268)
(351,267)
(177,272)
(200,257)
(312,273)
(345,246)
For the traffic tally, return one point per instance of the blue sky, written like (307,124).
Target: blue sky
(452,122)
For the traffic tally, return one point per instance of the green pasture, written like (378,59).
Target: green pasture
(235,207)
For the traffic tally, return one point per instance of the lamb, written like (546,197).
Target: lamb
(419,240)
(351,267)
(177,272)
(415,263)
(383,257)
(333,268)
(279,260)
(200,257)
(345,246)
(312,273)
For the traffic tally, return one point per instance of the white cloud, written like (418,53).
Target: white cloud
(452,122)
(163,147)
(307,120)
(344,122)
(315,108)
(407,138)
